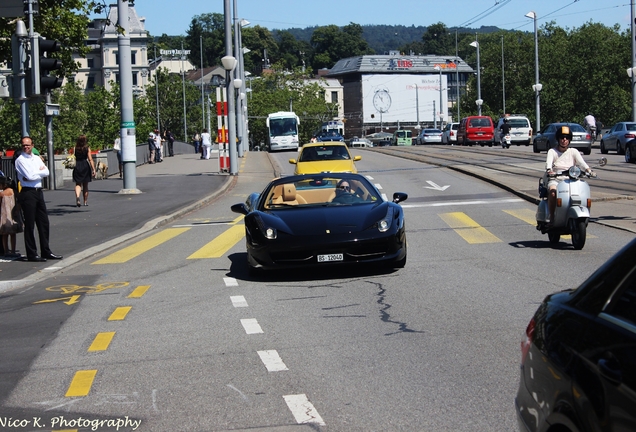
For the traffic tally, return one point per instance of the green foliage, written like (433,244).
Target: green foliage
(285,91)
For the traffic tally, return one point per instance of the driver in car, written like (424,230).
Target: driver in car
(344,195)
(561,158)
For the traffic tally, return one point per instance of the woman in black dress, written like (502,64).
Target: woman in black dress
(84,169)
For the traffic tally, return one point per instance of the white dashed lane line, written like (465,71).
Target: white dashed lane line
(251,326)
(303,410)
(272,361)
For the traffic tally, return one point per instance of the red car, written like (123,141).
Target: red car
(476,130)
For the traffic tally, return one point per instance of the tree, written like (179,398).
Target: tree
(211,28)
(63,20)
(331,44)
(438,41)
(276,91)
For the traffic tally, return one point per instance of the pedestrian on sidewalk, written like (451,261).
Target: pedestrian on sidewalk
(197,142)
(151,148)
(10,218)
(158,154)
(169,137)
(206,140)
(117,149)
(84,169)
(30,171)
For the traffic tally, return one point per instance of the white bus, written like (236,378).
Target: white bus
(282,130)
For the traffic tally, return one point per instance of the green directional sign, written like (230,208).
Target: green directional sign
(128,125)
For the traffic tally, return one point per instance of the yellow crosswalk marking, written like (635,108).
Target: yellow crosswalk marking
(468,229)
(220,245)
(101,341)
(525,215)
(139,291)
(119,313)
(81,384)
(134,250)
(529,216)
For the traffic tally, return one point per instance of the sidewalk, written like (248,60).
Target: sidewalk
(170,189)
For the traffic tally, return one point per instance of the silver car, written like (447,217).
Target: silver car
(581,140)
(429,136)
(616,139)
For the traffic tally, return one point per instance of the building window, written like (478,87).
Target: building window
(90,83)
(117,78)
(133,57)
(134,76)
(334,97)
(116,57)
(91,63)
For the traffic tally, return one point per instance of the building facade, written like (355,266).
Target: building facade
(387,92)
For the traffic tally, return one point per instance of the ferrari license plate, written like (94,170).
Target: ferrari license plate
(330,257)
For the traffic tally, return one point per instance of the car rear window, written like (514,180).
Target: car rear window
(631,127)
(481,122)
(577,128)
(518,123)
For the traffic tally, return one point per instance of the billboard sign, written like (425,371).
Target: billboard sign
(406,94)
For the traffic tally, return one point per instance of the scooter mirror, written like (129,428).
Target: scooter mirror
(602,162)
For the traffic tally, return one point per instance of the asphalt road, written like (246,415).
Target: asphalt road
(197,344)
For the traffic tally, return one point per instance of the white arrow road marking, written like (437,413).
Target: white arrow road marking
(435,186)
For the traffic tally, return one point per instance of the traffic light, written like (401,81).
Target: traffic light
(42,65)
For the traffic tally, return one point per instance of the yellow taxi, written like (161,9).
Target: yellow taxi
(330,156)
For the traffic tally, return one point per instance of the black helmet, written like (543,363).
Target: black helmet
(564,131)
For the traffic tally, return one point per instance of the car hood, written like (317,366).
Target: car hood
(325,166)
(329,219)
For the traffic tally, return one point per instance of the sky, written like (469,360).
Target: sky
(173,17)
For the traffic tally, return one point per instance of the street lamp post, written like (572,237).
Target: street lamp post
(441,113)
(503,77)
(536,87)
(185,121)
(417,107)
(479,100)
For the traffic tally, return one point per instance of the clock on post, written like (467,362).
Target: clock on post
(382,101)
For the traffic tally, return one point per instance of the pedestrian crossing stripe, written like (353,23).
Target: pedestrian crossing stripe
(221,244)
(468,229)
(134,250)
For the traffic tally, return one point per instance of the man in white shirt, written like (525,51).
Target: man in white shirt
(30,171)
(206,141)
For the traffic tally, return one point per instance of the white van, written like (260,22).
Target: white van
(520,129)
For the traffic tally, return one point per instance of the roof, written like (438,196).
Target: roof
(374,64)
(135,22)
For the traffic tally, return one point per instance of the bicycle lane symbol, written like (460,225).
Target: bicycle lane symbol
(76,291)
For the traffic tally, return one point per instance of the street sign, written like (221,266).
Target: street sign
(52,110)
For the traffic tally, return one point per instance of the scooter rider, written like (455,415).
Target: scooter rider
(561,158)
(505,130)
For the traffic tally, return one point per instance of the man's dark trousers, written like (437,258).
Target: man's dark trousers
(35,215)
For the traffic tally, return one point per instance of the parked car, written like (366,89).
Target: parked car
(449,134)
(617,137)
(520,129)
(429,136)
(324,157)
(476,130)
(360,142)
(313,220)
(578,356)
(581,140)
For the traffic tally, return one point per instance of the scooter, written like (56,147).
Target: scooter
(505,141)
(573,202)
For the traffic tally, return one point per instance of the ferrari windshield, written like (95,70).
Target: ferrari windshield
(321,190)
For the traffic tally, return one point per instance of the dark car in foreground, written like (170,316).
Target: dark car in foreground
(578,357)
(581,139)
(321,220)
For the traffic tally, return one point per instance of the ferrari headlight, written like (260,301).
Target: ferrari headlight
(385,223)
(268,232)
